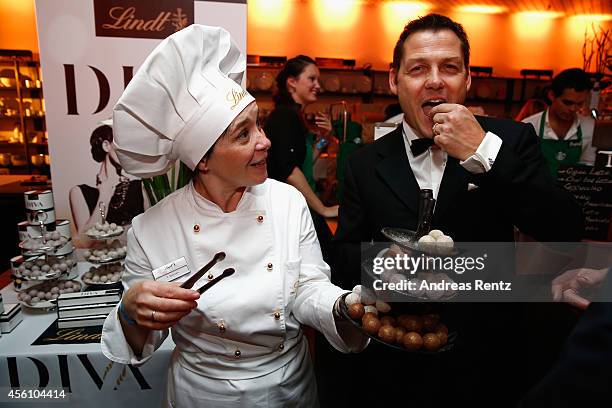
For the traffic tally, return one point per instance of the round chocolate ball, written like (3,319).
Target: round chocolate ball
(387,333)
(431,342)
(412,323)
(399,334)
(387,320)
(430,322)
(443,338)
(356,311)
(371,325)
(441,327)
(412,341)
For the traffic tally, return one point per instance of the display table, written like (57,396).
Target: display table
(94,381)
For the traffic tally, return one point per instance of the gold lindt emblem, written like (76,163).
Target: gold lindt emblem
(234,97)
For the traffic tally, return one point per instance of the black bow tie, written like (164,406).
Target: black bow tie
(418,146)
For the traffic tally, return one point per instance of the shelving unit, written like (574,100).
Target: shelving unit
(23,136)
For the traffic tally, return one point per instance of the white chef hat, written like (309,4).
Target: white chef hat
(182,98)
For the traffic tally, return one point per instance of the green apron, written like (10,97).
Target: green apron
(558,152)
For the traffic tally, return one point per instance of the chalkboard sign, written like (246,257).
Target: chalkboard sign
(592,188)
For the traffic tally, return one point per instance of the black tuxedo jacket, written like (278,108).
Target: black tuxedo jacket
(380,190)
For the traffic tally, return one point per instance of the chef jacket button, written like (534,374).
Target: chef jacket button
(260,218)
(210,276)
(277,315)
(270,266)
(196,228)
(221,327)
(281,347)
(237,353)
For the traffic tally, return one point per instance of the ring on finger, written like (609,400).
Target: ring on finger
(153,315)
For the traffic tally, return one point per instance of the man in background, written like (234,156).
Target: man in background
(566,136)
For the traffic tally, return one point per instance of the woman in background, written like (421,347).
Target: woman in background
(123,198)
(286,127)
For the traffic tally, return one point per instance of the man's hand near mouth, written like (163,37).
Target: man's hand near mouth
(456,130)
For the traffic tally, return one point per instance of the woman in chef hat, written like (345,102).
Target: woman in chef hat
(239,343)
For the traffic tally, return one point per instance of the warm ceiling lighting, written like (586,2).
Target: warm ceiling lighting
(481,9)
(540,14)
(593,17)
(268,13)
(407,8)
(336,14)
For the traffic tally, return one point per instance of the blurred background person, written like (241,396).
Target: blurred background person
(290,158)
(565,136)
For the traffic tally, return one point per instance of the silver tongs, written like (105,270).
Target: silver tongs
(188,284)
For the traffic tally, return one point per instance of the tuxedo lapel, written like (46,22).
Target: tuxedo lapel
(454,181)
(395,171)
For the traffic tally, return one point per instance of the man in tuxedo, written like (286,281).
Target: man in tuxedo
(487,176)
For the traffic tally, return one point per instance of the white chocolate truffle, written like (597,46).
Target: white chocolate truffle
(435,234)
(382,307)
(368,297)
(444,244)
(352,298)
(426,243)
(371,309)
(357,289)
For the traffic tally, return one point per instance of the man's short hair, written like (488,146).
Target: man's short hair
(573,78)
(435,23)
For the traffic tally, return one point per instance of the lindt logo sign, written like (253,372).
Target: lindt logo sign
(142,18)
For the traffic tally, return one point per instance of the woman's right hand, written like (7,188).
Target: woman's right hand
(159,305)
(330,212)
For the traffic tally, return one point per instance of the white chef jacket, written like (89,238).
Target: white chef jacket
(260,358)
(586,123)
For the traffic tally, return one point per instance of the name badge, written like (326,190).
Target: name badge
(172,270)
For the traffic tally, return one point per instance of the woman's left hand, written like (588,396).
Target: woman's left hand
(324,124)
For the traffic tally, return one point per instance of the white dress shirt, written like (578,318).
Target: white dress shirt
(428,168)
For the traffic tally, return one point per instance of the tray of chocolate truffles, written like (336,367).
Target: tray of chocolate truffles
(108,274)
(434,243)
(104,230)
(422,331)
(37,245)
(105,252)
(44,295)
(43,268)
